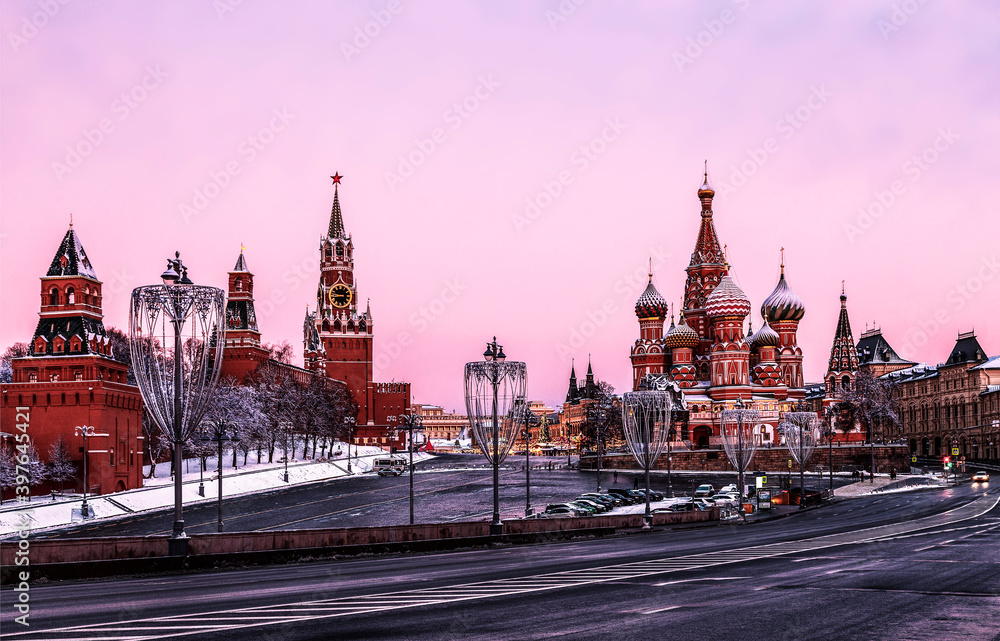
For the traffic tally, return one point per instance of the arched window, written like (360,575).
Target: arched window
(326,326)
(53,296)
(239,283)
(846,382)
(340,250)
(70,296)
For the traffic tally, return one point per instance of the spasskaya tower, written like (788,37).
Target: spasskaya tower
(338,338)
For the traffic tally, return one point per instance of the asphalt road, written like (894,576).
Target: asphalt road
(864,568)
(445,489)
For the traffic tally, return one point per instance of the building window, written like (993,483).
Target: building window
(78,376)
(32,377)
(53,296)
(70,296)
(239,284)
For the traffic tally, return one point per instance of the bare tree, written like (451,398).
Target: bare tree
(29,469)
(6,367)
(602,423)
(61,467)
(282,352)
(156,442)
(869,402)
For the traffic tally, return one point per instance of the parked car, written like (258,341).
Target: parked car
(626,495)
(614,501)
(704,490)
(599,507)
(723,499)
(980,477)
(577,510)
(590,507)
(559,512)
(653,495)
(730,489)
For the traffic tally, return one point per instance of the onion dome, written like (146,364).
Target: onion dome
(650,303)
(783,304)
(706,191)
(765,337)
(727,299)
(683,335)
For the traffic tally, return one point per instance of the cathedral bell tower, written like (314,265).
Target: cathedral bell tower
(342,341)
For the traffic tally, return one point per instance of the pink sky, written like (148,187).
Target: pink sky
(871,89)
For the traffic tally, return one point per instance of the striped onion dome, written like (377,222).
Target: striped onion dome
(783,304)
(765,337)
(650,303)
(683,335)
(727,299)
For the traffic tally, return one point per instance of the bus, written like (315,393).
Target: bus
(389,466)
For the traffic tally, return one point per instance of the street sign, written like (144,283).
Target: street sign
(789,463)
(764,499)
(913,459)
(761,480)
(954,451)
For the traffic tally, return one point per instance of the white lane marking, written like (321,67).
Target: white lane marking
(669,607)
(570,578)
(707,579)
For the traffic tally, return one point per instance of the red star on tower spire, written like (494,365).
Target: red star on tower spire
(336,178)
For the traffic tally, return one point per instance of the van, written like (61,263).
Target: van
(389,466)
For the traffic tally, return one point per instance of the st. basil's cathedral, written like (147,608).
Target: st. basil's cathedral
(708,354)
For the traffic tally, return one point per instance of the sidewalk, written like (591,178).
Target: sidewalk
(44,513)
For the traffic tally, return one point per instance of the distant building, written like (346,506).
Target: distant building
(955,404)
(71,379)
(441,427)
(876,356)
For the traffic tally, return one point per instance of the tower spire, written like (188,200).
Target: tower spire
(336,218)
(782,261)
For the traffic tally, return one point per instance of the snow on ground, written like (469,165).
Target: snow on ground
(158,492)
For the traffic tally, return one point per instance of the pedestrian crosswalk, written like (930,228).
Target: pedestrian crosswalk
(288,613)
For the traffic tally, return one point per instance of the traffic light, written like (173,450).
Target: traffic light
(947,462)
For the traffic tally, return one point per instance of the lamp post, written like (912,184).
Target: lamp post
(800,430)
(529,420)
(285,431)
(828,414)
(219,436)
(411,423)
(176,384)
(85,431)
(646,423)
(493,390)
(737,439)
(349,420)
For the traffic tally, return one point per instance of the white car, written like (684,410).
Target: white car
(730,489)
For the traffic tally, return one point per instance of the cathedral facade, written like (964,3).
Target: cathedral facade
(709,354)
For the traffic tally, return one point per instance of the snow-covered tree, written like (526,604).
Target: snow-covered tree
(8,472)
(869,403)
(28,470)
(60,467)
(281,352)
(6,368)
(602,418)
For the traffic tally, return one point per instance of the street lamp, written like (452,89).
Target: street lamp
(349,420)
(286,429)
(176,382)
(219,436)
(85,431)
(493,390)
(411,423)
(646,423)
(828,413)
(737,439)
(800,431)
(528,421)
